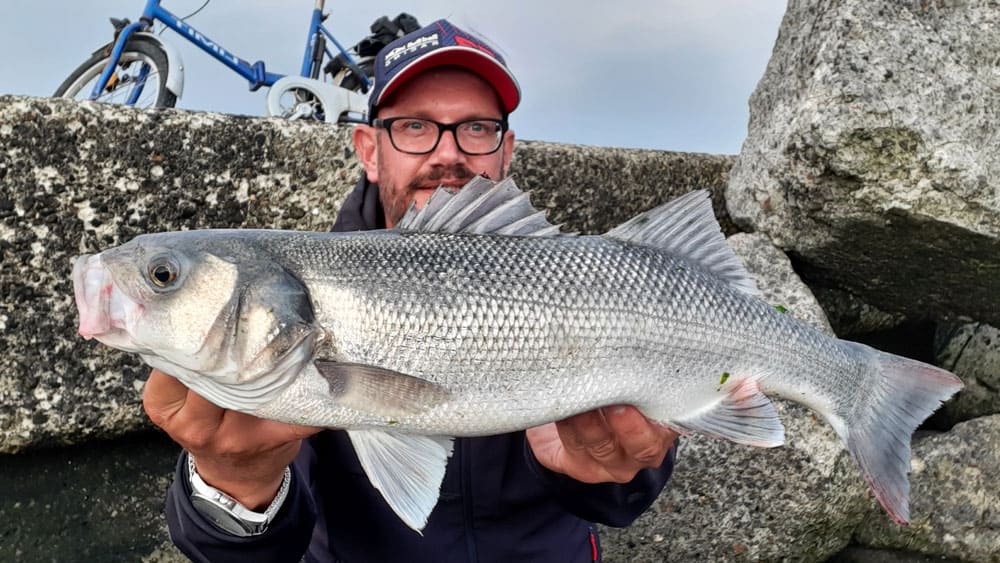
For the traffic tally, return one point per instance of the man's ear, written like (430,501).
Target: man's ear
(366,145)
(508,152)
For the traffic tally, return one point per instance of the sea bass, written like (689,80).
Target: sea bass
(475,316)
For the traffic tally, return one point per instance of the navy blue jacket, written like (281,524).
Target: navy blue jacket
(497,502)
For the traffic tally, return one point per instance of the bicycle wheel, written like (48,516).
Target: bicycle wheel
(296,97)
(299,102)
(143,66)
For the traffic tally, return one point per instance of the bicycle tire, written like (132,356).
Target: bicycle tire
(81,81)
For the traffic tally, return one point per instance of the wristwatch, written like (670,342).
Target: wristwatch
(226,512)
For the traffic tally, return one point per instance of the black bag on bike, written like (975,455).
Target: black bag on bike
(384,31)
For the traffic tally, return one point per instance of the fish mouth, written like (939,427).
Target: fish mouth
(106,313)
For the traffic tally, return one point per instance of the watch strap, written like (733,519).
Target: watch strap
(226,512)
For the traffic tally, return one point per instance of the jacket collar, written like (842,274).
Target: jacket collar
(362,210)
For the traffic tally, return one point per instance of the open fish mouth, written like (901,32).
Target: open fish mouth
(106,312)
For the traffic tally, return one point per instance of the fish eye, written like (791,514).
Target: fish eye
(162,272)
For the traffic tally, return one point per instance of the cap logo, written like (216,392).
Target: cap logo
(411,47)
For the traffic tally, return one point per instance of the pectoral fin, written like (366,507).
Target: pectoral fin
(380,391)
(407,469)
(744,415)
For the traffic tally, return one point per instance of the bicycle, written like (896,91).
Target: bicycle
(138,62)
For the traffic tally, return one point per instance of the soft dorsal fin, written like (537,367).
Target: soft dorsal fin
(687,227)
(481,207)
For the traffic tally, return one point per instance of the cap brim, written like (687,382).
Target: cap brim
(466,57)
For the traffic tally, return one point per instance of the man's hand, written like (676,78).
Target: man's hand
(239,454)
(611,444)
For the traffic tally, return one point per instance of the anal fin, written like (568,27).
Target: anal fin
(406,468)
(745,416)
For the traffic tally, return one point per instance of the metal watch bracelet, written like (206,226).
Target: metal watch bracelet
(225,512)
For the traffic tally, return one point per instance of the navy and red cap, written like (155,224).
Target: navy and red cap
(440,44)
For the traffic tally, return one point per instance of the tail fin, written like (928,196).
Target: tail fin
(878,437)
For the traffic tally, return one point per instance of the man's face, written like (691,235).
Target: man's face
(445,95)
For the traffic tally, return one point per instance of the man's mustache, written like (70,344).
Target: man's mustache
(456,172)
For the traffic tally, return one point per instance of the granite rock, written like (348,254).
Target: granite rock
(870,155)
(850,316)
(972,352)
(955,497)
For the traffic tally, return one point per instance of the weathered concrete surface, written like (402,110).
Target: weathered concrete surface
(871,153)
(593,189)
(955,497)
(83,177)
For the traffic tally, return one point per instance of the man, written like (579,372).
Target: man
(248,489)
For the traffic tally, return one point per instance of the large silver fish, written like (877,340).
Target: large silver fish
(476,316)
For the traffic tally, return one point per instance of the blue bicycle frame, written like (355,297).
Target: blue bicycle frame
(255,73)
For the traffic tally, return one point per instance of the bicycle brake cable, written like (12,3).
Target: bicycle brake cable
(192,14)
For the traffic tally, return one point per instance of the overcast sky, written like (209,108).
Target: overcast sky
(659,74)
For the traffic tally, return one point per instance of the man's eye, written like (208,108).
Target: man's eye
(479,128)
(412,125)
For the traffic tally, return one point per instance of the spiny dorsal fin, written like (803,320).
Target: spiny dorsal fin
(481,207)
(687,227)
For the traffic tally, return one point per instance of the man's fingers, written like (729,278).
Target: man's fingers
(162,397)
(588,432)
(196,424)
(189,419)
(193,420)
(201,411)
(641,440)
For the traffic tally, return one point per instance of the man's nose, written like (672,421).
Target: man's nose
(447,151)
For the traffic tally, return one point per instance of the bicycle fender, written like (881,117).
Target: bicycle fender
(175,66)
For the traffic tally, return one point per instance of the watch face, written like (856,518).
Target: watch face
(222,518)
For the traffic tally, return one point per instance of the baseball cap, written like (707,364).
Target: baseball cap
(440,44)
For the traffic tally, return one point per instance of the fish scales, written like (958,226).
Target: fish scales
(506,320)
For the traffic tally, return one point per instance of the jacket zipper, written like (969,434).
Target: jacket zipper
(595,546)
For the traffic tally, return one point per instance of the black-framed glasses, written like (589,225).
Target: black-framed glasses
(415,135)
